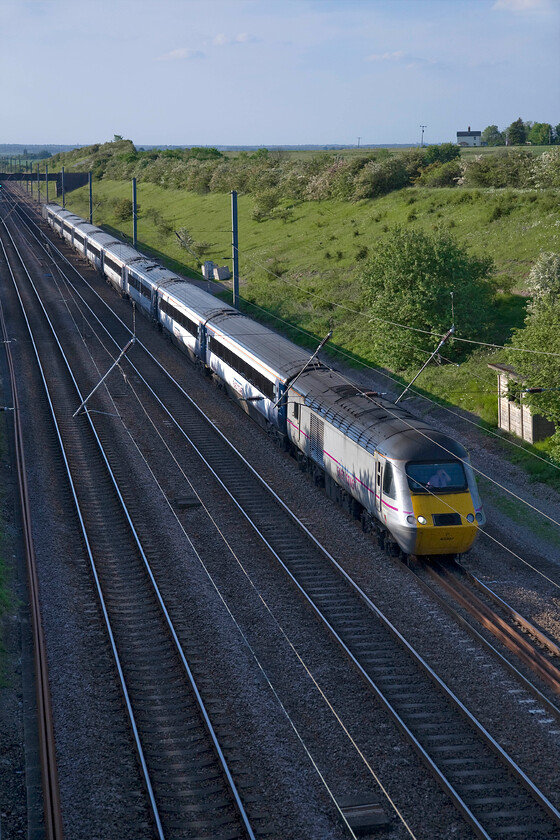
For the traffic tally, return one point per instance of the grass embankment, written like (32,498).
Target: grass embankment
(302,270)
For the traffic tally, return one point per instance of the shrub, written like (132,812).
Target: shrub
(442,153)
(122,209)
(162,225)
(381,178)
(441,174)
(265,204)
(507,168)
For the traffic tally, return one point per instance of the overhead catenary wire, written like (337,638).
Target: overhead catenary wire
(377,318)
(379,371)
(261,597)
(503,487)
(506,548)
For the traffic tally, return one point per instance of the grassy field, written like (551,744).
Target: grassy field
(302,270)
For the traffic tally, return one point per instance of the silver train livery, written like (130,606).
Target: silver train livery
(412,484)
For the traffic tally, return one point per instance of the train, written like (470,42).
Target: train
(409,483)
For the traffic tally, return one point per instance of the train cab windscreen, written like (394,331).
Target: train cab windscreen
(447,476)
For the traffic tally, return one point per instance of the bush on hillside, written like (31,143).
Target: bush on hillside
(442,153)
(380,178)
(408,280)
(122,209)
(441,174)
(507,168)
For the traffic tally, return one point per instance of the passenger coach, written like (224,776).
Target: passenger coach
(409,482)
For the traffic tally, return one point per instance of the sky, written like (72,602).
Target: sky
(273,72)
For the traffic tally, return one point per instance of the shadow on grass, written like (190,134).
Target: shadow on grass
(509,315)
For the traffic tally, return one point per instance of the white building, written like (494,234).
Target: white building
(469,138)
(212,271)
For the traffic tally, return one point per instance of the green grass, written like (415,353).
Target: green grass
(518,511)
(324,238)
(302,271)
(472,151)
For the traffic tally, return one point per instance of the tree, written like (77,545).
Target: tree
(117,137)
(516,133)
(540,134)
(492,136)
(408,280)
(541,333)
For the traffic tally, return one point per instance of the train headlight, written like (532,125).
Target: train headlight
(422,520)
(478,517)
(470,517)
(411,520)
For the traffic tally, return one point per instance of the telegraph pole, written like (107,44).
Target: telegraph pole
(235,248)
(134,214)
(63,193)
(422,138)
(47,180)
(90,199)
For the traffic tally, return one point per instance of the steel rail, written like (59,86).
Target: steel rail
(173,633)
(488,739)
(47,744)
(531,687)
(531,629)
(512,638)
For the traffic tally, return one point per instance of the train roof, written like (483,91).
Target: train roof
(58,211)
(373,422)
(155,274)
(87,229)
(200,303)
(101,237)
(120,251)
(277,352)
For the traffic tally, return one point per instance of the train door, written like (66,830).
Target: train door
(378,483)
(154,304)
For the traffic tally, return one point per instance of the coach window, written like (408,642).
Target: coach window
(389,481)
(295,410)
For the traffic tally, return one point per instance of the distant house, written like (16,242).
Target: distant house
(513,415)
(469,138)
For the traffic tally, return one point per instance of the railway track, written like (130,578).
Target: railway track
(529,645)
(490,790)
(190,788)
(52,814)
